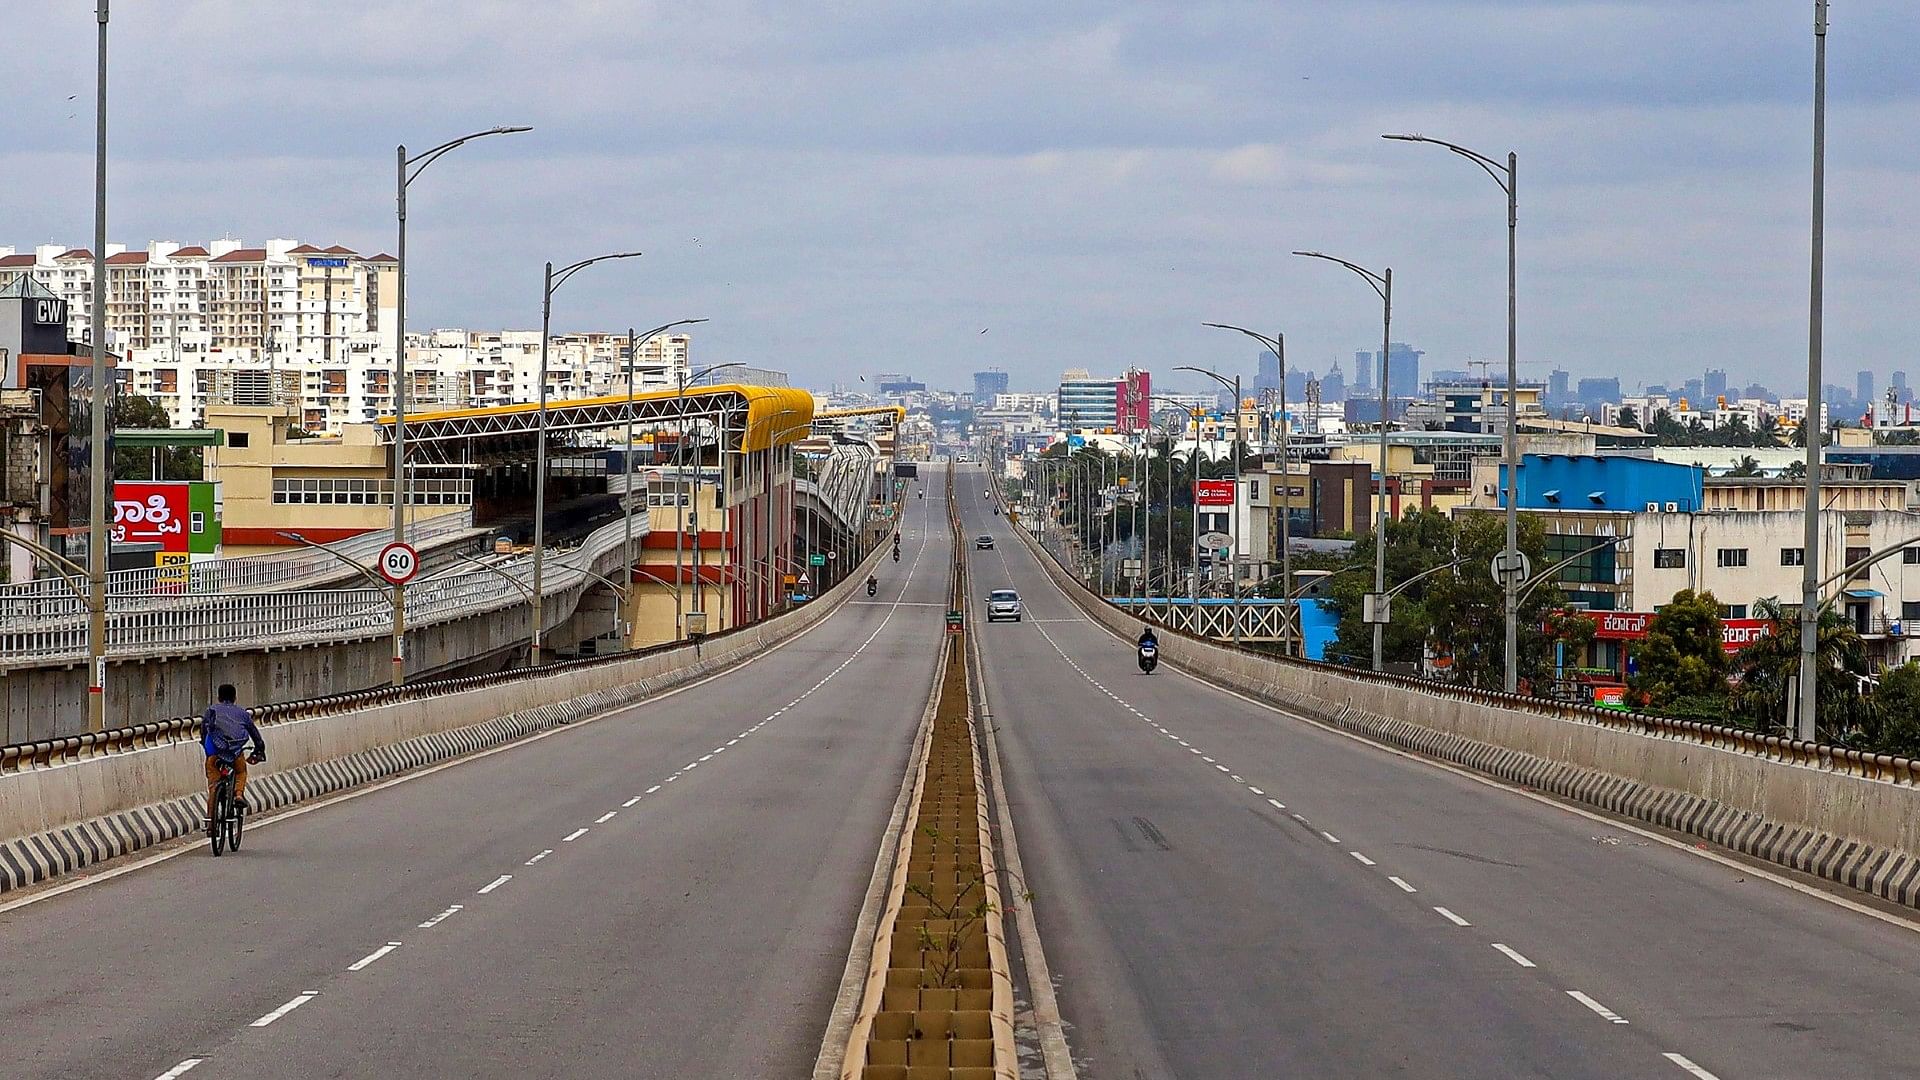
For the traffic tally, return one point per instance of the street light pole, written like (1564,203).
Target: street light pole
(1382,284)
(633,348)
(403,177)
(1239,437)
(553,281)
(1806,725)
(1277,345)
(100,490)
(681,499)
(1508,177)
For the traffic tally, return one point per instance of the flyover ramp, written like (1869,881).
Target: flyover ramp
(700,931)
(1196,930)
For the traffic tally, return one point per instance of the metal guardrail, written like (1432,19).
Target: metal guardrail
(234,575)
(18,757)
(1823,756)
(53,629)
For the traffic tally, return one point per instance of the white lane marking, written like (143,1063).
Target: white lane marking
(1222,768)
(1404,887)
(1237,779)
(691,766)
(737,738)
(1451,917)
(1256,791)
(653,789)
(184,1068)
(1514,956)
(672,778)
(606,817)
(1297,816)
(372,956)
(1364,861)
(1208,760)
(440,918)
(540,856)
(631,801)
(1608,1014)
(1331,839)
(496,883)
(572,836)
(303,997)
(703,757)
(1190,749)
(1681,1060)
(1276,804)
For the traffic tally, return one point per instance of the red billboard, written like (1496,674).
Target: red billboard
(1213,492)
(1735,634)
(155,513)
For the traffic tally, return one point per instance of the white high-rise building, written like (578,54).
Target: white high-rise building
(198,324)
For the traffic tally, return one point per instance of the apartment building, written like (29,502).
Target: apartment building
(295,325)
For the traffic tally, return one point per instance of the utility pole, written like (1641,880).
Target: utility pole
(1805,726)
(100,489)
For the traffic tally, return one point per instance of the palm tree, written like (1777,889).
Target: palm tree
(1763,668)
(1767,432)
(1748,467)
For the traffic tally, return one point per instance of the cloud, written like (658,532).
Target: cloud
(873,180)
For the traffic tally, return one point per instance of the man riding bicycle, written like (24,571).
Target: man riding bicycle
(224,731)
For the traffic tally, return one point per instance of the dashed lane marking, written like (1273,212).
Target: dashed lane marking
(631,801)
(574,835)
(300,999)
(1402,882)
(440,918)
(372,956)
(1514,956)
(1605,1013)
(495,883)
(1697,1071)
(540,856)
(1331,839)
(186,1067)
(606,817)
(1364,861)
(1451,917)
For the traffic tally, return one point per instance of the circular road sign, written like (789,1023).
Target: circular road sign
(1512,564)
(399,562)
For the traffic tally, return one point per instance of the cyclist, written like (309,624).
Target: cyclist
(224,731)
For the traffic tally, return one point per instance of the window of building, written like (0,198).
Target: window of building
(1856,554)
(1669,558)
(1589,567)
(1730,557)
(1911,556)
(1909,610)
(1793,556)
(1733,611)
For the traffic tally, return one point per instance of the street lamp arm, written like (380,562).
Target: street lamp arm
(497,572)
(706,371)
(561,275)
(1314,583)
(1497,171)
(69,568)
(1215,376)
(1378,282)
(1273,345)
(428,157)
(1534,582)
(1848,571)
(385,587)
(1427,573)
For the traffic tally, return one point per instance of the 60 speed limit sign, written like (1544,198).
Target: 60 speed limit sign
(399,562)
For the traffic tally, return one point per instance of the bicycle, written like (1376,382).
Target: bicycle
(228,818)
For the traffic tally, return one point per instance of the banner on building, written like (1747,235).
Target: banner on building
(182,517)
(1213,492)
(1735,634)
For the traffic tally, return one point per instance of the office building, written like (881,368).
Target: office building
(1863,389)
(1269,376)
(1715,384)
(1557,389)
(1100,403)
(986,384)
(1363,365)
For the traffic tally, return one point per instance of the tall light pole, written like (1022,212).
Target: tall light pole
(98,460)
(409,170)
(554,280)
(633,347)
(681,498)
(1508,177)
(1805,726)
(1277,345)
(1382,284)
(1239,437)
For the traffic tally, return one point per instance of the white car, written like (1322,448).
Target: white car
(1003,604)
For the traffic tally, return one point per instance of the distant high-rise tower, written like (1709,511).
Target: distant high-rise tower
(1715,383)
(1269,376)
(986,384)
(1900,388)
(1363,364)
(1557,386)
(1863,389)
(1334,386)
(1403,376)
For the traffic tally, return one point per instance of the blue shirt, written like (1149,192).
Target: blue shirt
(224,731)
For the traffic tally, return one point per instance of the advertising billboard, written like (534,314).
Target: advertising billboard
(1213,492)
(181,516)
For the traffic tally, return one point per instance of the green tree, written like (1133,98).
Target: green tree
(1682,657)
(1897,703)
(1749,466)
(1627,417)
(1467,608)
(1767,434)
(1418,542)
(136,463)
(1762,671)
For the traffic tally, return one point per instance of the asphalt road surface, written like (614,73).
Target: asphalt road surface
(667,892)
(1227,891)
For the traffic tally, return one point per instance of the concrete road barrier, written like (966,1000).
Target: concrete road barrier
(1790,804)
(67,814)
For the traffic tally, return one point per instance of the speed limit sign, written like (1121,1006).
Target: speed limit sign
(399,562)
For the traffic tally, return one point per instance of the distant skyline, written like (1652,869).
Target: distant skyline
(868,187)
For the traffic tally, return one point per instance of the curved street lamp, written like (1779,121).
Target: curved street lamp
(1382,284)
(554,280)
(1239,437)
(1508,177)
(633,347)
(1277,345)
(682,498)
(409,170)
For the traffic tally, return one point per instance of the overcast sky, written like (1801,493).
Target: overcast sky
(865,186)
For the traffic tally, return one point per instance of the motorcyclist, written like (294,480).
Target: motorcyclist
(873,584)
(1147,638)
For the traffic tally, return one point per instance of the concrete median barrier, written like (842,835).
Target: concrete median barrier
(1849,818)
(58,816)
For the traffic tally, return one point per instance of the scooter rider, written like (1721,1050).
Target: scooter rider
(873,584)
(1147,638)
